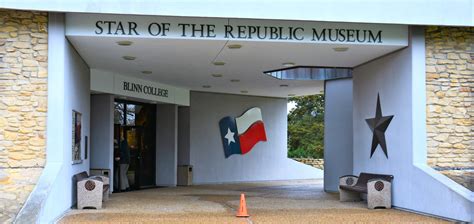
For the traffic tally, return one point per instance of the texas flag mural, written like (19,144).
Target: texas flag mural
(240,134)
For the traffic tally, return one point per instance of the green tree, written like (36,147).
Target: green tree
(306,127)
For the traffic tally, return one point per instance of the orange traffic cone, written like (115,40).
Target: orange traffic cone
(242,212)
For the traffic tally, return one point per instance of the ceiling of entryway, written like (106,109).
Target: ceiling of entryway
(189,63)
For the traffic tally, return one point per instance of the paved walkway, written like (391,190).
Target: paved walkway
(268,202)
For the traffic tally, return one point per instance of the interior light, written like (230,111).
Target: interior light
(219,63)
(234,80)
(124,43)
(283,85)
(206,86)
(244,91)
(129,58)
(288,64)
(234,46)
(147,72)
(340,49)
(217,75)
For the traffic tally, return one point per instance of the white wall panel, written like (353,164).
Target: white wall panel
(399,79)
(266,161)
(102,133)
(166,144)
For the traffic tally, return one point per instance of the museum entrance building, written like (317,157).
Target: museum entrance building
(164,101)
(162,85)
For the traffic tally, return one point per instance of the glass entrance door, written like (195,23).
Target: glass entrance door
(134,140)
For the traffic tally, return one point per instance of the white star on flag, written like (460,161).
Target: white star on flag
(230,136)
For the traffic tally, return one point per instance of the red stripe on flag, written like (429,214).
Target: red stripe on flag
(252,136)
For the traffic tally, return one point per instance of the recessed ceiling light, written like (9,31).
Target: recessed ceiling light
(129,58)
(340,49)
(123,97)
(217,75)
(291,94)
(147,72)
(244,91)
(235,80)
(124,43)
(219,63)
(206,86)
(288,64)
(234,46)
(283,85)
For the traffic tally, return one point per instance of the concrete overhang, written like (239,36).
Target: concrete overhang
(414,12)
(184,53)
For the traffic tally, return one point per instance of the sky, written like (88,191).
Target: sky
(290,106)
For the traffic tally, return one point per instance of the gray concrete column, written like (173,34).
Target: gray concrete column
(184,152)
(102,133)
(166,144)
(337,132)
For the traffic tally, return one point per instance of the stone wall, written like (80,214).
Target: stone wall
(23,105)
(318,163)
(450,109)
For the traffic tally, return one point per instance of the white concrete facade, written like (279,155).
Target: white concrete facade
(68,90)
(76,95)
(415,12)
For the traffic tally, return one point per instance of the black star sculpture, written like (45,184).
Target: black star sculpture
(378,125)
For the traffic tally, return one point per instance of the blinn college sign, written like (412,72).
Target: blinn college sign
(124,86)
(145,89)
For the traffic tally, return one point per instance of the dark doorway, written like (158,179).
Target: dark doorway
(134,136)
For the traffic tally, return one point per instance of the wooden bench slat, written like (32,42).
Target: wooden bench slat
(354,188)
(363,179)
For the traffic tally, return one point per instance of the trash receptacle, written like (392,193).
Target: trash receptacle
(185,175)
(102,172)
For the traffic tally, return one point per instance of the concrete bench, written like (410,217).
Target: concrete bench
(91,190)
(377,188)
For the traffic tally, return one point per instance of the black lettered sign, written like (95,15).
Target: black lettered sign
(144,89)
(239,32)
(236,29)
